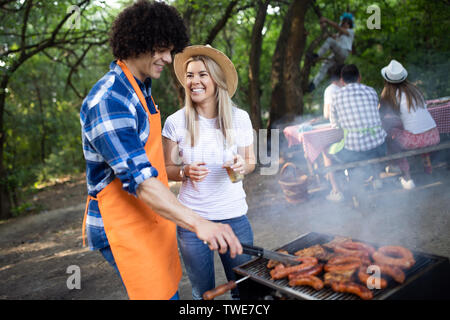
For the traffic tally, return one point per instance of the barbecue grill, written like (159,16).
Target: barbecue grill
(429,278)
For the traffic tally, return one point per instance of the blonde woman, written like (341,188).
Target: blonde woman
(405,118)
(199,141)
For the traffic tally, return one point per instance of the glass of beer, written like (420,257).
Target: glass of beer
(228,162)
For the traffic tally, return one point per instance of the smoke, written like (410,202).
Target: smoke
(417,219)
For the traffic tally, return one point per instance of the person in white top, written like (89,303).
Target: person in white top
(340,44)
(335,85)
(405,118)
(202,142)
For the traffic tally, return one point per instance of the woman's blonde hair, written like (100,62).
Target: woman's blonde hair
(392,92)
(224,103)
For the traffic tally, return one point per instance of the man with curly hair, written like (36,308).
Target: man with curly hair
(130,212)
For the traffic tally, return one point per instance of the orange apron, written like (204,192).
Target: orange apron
(143,243)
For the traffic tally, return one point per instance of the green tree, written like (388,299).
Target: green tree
(48,64)
(44,28)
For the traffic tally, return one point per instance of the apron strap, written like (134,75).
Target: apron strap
(149,267)
(338,146)
(140,95)
(134,84)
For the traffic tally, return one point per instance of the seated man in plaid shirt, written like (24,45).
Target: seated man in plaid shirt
(355,110)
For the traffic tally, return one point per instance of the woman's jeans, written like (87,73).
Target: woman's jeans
(199,259)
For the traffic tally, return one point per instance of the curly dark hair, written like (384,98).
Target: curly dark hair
(146,27)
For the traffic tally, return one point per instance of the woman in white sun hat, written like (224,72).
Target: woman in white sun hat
(405,118)
(199,139)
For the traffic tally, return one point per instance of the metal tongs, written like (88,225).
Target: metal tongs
(252,251)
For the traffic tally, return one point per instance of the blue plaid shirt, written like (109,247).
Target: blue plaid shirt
(115,128)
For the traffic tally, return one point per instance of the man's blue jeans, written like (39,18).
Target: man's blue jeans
(199,259)
(346,155)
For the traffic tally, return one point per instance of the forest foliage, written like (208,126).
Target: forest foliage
(49,62)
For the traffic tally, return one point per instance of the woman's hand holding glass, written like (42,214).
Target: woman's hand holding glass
(196,171)
(235,167)
(238,164)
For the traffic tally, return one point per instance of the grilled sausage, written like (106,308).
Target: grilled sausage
(358,249)
(280,271)
(272,263)
(364,276)
(394,256)
(311,281)
(352,287)
(312,271)
(220,290)
(394,272)
(342,263)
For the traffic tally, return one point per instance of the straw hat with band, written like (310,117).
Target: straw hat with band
(219,57)
(394,72)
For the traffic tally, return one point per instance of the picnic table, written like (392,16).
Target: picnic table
(314,141)
(440,111)
(318,139)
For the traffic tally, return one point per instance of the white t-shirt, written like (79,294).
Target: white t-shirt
(345,41)
(417,121)
(216,197)
(328,98)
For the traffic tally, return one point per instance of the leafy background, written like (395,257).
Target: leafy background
(44,94)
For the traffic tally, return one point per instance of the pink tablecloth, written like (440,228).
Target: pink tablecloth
(441,115)
(314,141)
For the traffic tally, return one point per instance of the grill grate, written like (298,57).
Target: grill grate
(258,271)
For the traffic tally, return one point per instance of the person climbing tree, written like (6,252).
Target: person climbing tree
(340,44)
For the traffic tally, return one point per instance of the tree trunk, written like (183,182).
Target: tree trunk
(179,89)
(43,136)
(20,56)
(254,63)
(5,201)
(307,62)
(287,94)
